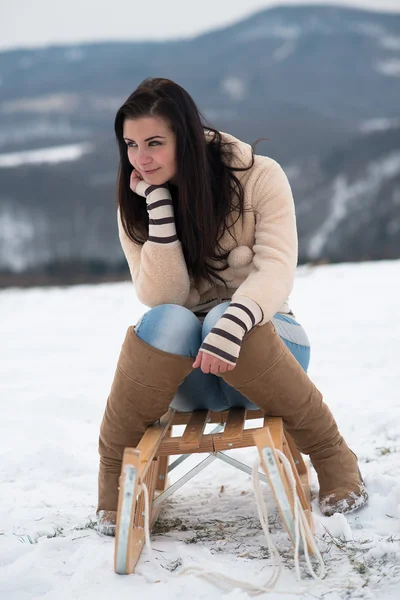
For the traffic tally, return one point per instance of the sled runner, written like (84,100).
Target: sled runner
(148,464)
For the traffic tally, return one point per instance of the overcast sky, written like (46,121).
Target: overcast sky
(26,23)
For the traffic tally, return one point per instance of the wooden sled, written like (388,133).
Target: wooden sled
(148,464)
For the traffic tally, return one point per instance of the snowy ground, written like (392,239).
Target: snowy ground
(58,350)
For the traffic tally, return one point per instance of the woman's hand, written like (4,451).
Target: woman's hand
(135,178)
(211,364)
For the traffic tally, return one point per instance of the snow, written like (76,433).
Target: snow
(379,124)
(45,155)
(346,195)
(275,29)
(390,68)
(16,231)
(234,87)
(284,51)
(390,43)
(50,103)
(58,352)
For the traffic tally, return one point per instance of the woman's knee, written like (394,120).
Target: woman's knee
(171,328)
(213,316)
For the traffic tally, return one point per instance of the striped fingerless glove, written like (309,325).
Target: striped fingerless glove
(225,338)
(162,229)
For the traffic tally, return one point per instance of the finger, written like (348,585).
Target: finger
(205,363)
(197,362)
(225,366)
(216,366)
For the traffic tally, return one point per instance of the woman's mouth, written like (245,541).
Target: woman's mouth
(151,171)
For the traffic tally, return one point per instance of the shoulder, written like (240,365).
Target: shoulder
(265,181)
(256,173)
(242,156)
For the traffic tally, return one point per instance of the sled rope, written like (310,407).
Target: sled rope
(143,488)
(302,528)
(302,533)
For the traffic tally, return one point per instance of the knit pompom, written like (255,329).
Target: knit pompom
(240,257)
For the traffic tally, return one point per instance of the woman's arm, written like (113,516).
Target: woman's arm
(157,267)
(269,284)
(275,249)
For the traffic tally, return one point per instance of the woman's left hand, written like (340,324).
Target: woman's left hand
(211,364)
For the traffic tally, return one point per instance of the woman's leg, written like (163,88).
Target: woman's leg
(144,385)
(229,397)
(171,328)
(270,377)
(294,337)
(291,333)
(177,330)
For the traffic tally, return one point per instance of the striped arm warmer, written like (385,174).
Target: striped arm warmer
(162,228)
(225,338)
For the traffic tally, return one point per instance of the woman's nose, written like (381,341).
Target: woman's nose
(143,157)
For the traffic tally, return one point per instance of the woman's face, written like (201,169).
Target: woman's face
(151,149)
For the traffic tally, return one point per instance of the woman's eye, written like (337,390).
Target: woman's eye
(133,145)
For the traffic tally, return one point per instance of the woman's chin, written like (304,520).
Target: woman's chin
(155,180)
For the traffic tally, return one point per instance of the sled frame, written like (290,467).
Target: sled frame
(148,464)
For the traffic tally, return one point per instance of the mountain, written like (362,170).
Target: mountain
(322,84)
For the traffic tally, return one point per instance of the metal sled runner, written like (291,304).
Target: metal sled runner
(148,464)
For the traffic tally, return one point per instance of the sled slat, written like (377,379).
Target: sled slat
(234,425)
(181,418)
(191,439)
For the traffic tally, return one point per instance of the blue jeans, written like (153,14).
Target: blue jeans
(177,330)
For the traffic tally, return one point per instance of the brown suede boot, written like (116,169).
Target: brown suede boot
(270,377)
(144,385)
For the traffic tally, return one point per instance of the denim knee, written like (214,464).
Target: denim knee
(171,328)
(212,317)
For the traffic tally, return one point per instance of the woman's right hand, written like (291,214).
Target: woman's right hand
(135,178)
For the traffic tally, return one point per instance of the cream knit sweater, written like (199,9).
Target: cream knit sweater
(262,261)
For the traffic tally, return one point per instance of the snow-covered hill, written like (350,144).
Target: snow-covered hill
(319,85)
(58,350)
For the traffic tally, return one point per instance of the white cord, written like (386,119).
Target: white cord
(302,528)
(143,488)
(263,516)
(302,533)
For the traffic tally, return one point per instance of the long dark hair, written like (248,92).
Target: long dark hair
(206,189)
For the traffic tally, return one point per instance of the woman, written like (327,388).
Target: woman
(209,233)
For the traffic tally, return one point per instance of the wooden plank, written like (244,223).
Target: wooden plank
(181,418)
(148,445)
(209,443)
(191,439)
(162,473)
(275,426)
(299,486)
(302,468)
(138,541)
(149,480)
(234,425)
(297,456)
